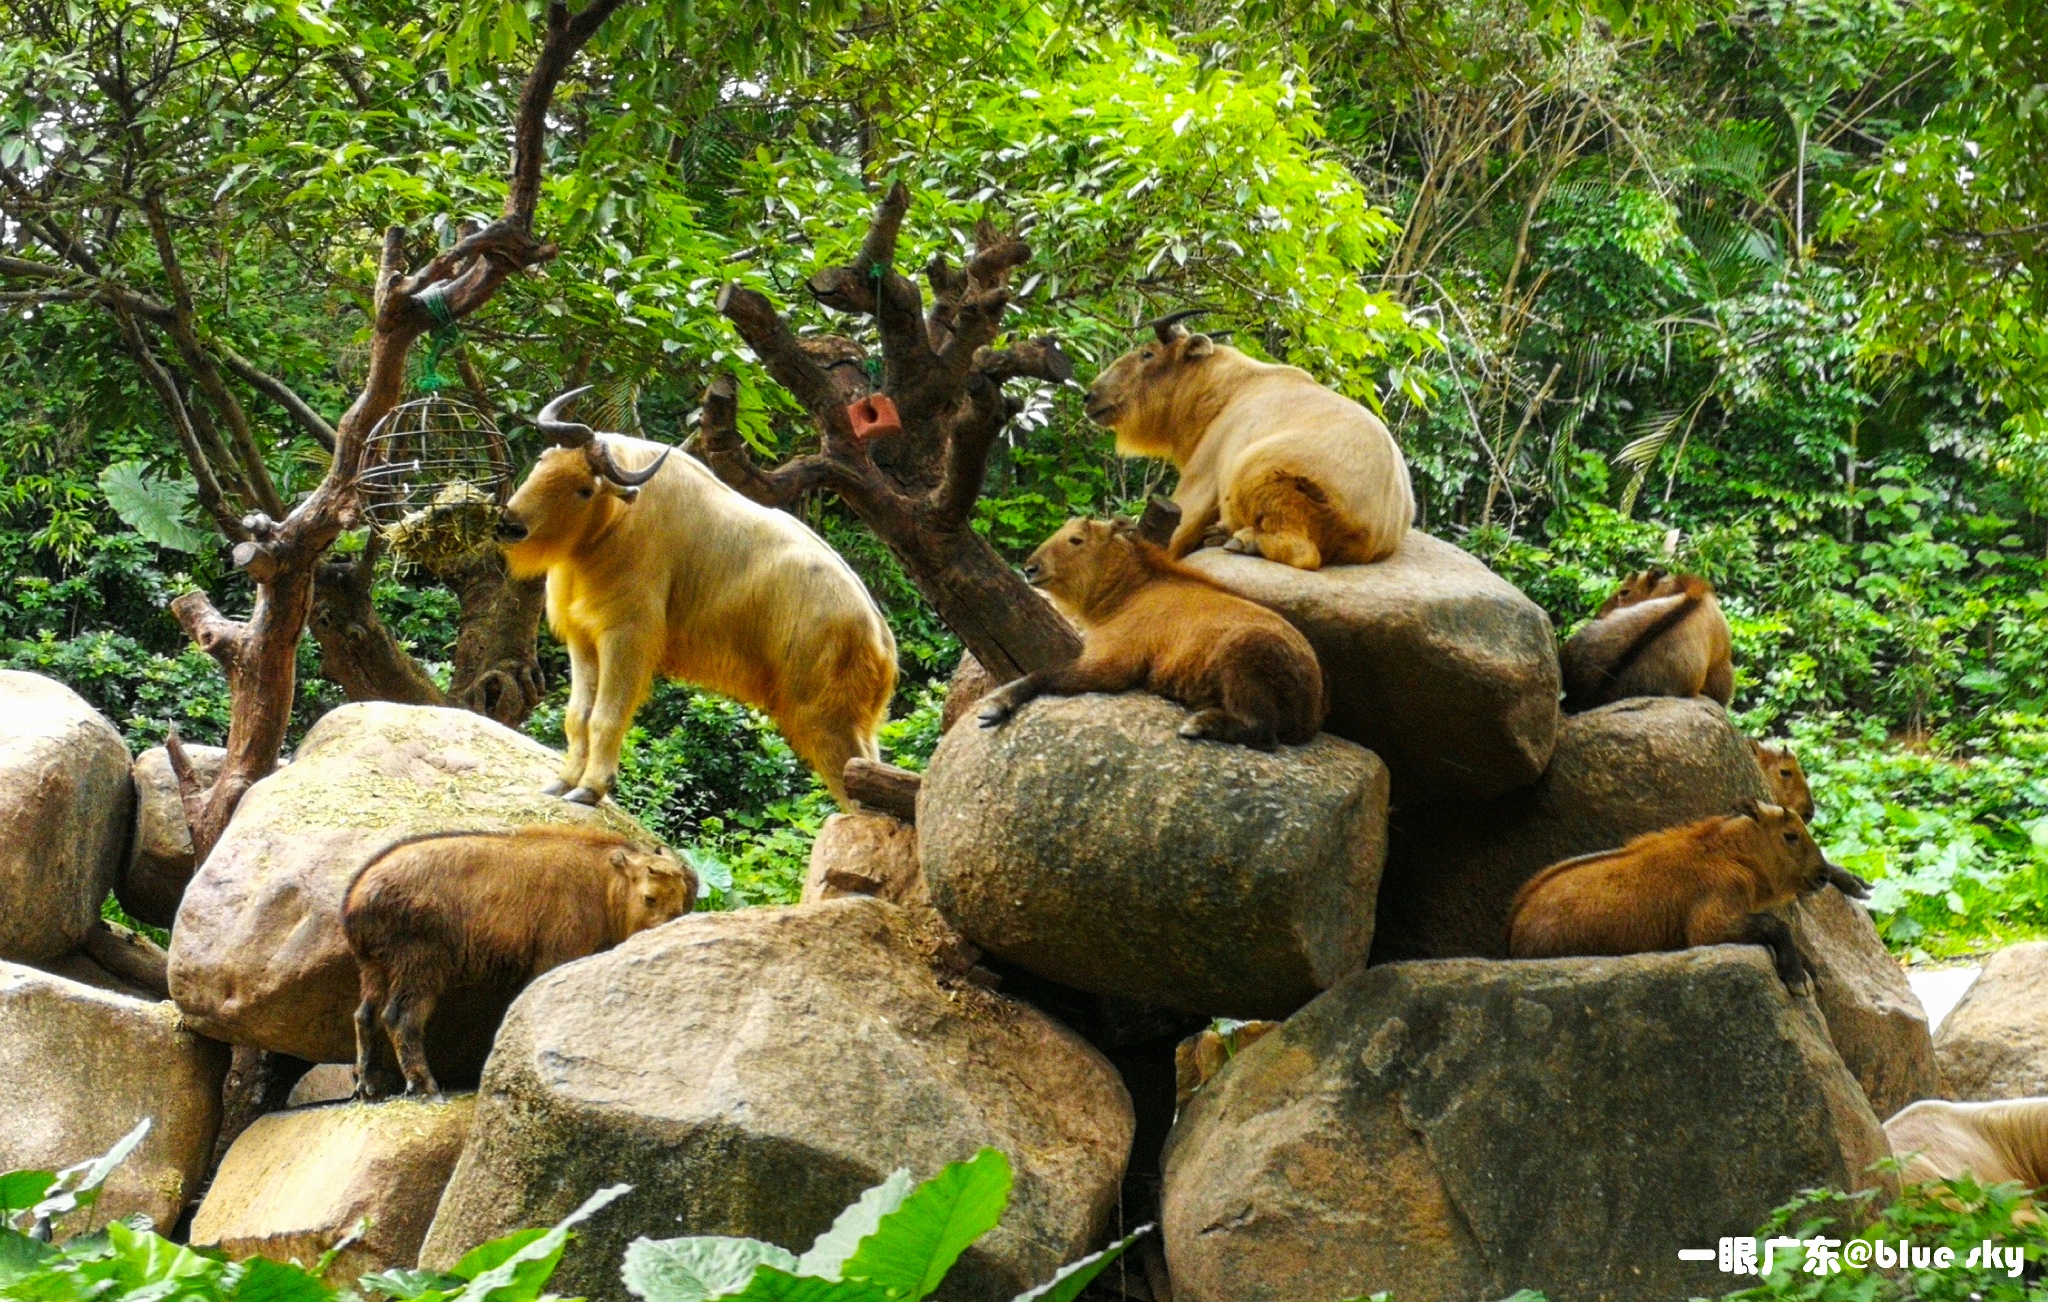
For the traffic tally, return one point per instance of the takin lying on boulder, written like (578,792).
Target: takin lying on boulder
(1270,460)
(1149,622)
(655,566)
(484,913)
(1706,883)
(1660,635)
(1992,1143)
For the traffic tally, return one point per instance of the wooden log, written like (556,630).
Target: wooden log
(884,788)
(135,959)
(1161,518)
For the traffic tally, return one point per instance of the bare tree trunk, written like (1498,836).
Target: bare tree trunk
(357,652)
(497,671)
(915,488)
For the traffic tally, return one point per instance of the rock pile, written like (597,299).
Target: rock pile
(1465,1129)
(750,1073)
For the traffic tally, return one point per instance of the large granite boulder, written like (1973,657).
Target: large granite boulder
(160,862)
(257,956)
(80,1066)
(1465,1129)
(1873,1016)
(751,1073)
(66,805)
(294,1184)
(1636,766)
(1994,1043)
(1432,661)
(1088,842)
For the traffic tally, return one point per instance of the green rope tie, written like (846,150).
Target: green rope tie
(444,337)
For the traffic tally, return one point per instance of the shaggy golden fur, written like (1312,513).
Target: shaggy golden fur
(684,577)
(1660,635)
(487,912)
(1991,1143)
(1286,468)
(1150,622)
(1704,883)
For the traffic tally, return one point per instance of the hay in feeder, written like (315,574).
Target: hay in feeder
(460,522)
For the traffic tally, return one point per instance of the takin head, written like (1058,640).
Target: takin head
(1086,561)
(562,506)
(573,495)
(1144,394)
(1779,841)
(650,889)
(1786,776)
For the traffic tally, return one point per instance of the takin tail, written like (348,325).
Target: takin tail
(1598,655)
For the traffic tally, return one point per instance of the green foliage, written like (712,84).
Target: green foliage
(153,507)
(128,1262)
(895,1242)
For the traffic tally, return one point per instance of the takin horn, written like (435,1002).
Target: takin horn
(575,434)
(1168,327)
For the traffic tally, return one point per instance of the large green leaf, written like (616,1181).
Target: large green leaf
(20,1255)
(832,1248)
(21,1190)
(484,1256)
(1068,1281)
(914,1246)
(772,1285)
(264,1280)
(155,508)
(697,1268)
(406,1285)
(521,1276)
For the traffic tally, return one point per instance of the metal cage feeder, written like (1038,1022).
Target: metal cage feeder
(436,472)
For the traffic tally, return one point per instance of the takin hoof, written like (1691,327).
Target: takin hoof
(1242,543)
(555,788)
(584,796)
(1215,536)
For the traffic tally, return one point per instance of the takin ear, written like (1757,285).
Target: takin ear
(622,859)
(1750,807)
(1123,527)
(626,493)
(1197,346)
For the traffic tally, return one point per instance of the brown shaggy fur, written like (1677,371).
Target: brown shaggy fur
(1660,635)
(1991,1143)
(489,912)
(1781,768)
(1149,622)
(1705,883)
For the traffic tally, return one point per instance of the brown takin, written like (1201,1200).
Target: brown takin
(1992,1143)
(482,914)
(1660,635)
(654,566)
(1149,622)
(1271,463)
(1787,778)
(1706,883)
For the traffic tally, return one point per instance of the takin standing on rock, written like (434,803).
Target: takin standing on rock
(1704,883)
(1787,779)
(655,566)
(1660,635)
(1991,1143)
(484,913)
(1271,463)
(1149,622)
